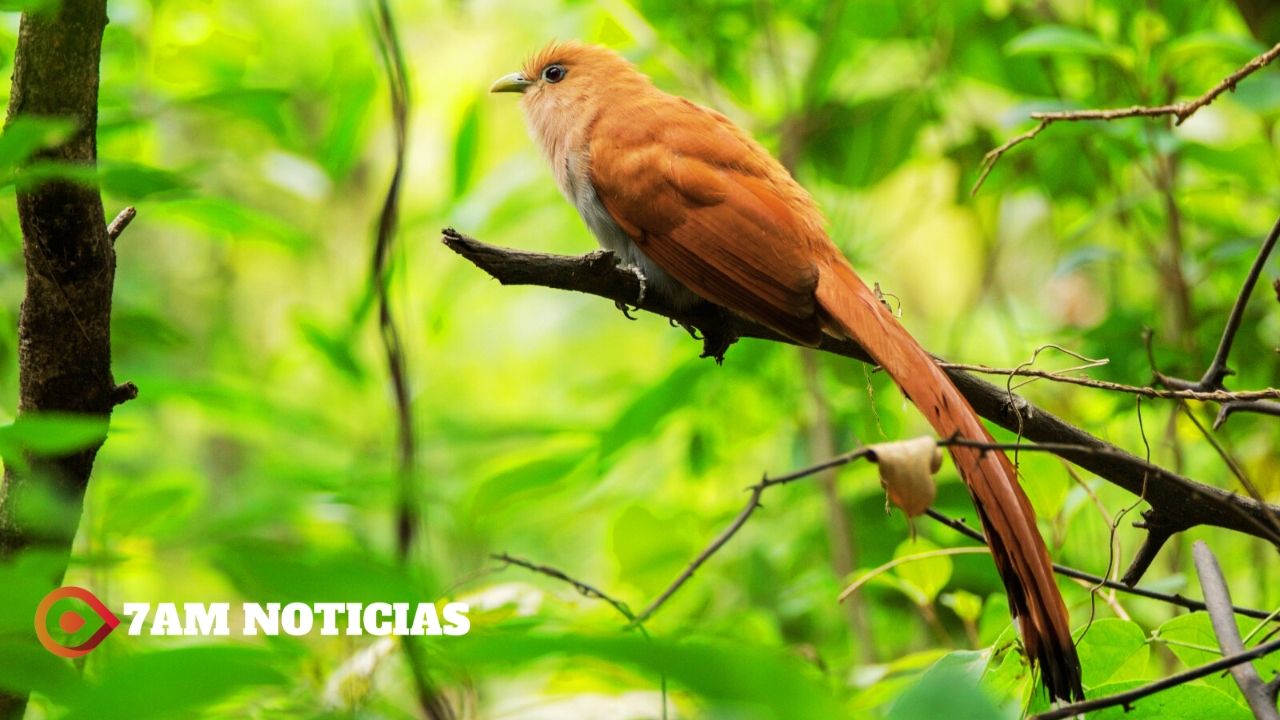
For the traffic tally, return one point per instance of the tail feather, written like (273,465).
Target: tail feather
(1006,514)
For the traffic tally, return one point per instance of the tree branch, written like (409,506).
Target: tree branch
(1218,370)
(1218,600)
(1179,111)
(1182,503)
(1097,580)
(1129,697)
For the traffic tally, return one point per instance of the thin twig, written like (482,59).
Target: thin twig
(1129,697)
(1257,407)
(117,227)
(1178,111)
(1214,396)
(1218,370)
(1218,598)
(926,555)
(1172,599)
(1233,465)
(753,503)
(592,592)
(585,590)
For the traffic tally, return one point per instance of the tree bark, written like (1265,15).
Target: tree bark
(64,328)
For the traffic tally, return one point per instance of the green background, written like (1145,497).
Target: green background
(259,461)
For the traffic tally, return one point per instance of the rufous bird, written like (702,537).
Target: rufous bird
(703,213)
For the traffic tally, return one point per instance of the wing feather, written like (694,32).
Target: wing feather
(699,202)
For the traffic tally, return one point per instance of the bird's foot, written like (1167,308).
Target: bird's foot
(715,343)
(644,283)
(693,331)
(626,308)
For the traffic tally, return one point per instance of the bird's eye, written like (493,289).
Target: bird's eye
(554,73)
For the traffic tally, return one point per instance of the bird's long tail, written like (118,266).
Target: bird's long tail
(1007,516)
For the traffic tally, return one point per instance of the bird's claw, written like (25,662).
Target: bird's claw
(626,309)
(693,331)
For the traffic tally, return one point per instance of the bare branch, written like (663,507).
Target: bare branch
(1178,111)
(1218,600)
(753,504)
(1100,581)
(1214,396)
(117,227)
(585,590)
(1258,407)
(1218,370)
(1129,697)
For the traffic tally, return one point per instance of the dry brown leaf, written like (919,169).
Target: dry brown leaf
(906,472)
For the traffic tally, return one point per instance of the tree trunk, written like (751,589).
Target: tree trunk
(64,329)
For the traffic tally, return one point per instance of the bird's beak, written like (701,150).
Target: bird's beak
(515,82)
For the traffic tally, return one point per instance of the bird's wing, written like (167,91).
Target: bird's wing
(710,207)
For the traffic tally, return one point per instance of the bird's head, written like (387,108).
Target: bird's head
(564,84)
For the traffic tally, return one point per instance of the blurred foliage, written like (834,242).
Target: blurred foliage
(258,461)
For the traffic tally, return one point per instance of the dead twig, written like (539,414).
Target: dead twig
(1178,111)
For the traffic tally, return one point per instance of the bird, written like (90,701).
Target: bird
(703,213)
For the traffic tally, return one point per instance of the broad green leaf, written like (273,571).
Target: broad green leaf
(133,181)
(1112,650)
(1197,46)
(51,434)
(951,688)
(27,134)
(267,106)
(965,605)
(29,667)
(730,680)
(275,572)
(928,576)
(174,682)
(234,220)
(1060,40)
(465,148)
(337,349)
(650,407)
(1191,638)
(35,6)
(1192,701)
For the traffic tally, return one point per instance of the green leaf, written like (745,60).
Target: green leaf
(1060,40)
(1193,701)
(465,148)
(50,434)
(732,680)
(133,181)
(268,107)
(926,576)
(950,688)
(336,348)
(1191,638)
(174,682)
(1113,650)
(1198,46)
(33,6)
(650,407)
(277,572)
(26,134)
(965,605)
(235,220)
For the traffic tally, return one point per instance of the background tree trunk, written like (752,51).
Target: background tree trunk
(64,331)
